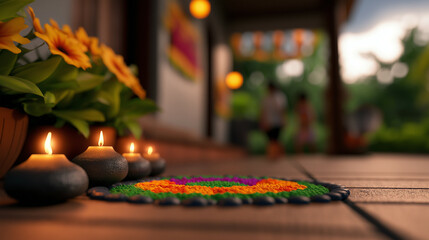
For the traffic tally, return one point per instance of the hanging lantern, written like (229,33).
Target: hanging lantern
(234,80)
(200,8)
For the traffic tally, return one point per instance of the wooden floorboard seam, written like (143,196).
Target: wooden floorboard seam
(379,225)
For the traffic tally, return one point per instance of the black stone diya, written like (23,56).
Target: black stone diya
(157,163)
(45,178)
(138,167)
(158,166)
(103,165)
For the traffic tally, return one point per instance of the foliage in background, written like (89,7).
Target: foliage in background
(245,102)
(80,83)
(403,103)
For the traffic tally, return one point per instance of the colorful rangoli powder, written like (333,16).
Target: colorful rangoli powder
(220,190)
(219,187)
(262,186)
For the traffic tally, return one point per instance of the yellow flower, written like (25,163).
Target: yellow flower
(68,48)
(9,33)
(36,22)
(116,65)
(90,42)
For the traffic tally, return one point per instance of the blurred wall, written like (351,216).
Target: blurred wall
(181,100)
(59,10)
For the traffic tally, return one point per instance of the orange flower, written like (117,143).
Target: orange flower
(90,42)
(116,65)
(68,48)
(36,22)
(9,33)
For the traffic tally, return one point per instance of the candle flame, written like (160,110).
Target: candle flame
(150,150)
(132,147)
(48,147)
(101,139)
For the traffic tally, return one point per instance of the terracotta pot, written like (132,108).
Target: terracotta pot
(13,130)
(65,140)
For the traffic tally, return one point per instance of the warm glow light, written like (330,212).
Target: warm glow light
(200,8)
(48,147)
(234,80)
(132,147)
(149,150)
(101,139)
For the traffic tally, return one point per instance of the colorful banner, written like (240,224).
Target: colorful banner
(184,38)
(276,45)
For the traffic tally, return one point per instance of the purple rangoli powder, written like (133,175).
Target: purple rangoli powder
(247,181)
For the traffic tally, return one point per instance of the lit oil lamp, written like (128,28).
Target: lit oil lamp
(138,167)
(46,178)
(103,164)
(156,162)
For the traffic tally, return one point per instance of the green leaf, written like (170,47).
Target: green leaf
(60,95)
(81,125)
(7,60)
(50,99)
(110,95)
(51,86)
(36,109)
(38,71)
(9,8)
(138,107)
(19,85)
(134,127)
(88,81)
(64,72)
(85,114)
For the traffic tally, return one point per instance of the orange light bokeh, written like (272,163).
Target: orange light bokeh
(200,8)
(234,80)
(150,150)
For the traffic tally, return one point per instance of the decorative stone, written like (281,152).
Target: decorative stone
(264,201)
(246,201)
(115,197)
(195,202)
(157,166)
(230,202)
(97,189)
(281,200)
(46,178)
(168,201)
(103,165)
(335,196)
(321,198)
(140,199)
(211,202)
(299,200)
(97,195)
(343,193)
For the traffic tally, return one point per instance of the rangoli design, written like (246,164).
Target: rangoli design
(221,190)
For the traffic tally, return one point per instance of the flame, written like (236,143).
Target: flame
(101,139)
(48,147)
(150,150)
(132,147)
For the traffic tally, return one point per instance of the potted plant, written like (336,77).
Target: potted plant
(80,83)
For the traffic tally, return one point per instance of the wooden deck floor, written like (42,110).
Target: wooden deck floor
(389,200)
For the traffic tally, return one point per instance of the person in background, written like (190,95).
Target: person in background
(306,118)
(273,119)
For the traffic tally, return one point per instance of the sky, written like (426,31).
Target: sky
(377,27)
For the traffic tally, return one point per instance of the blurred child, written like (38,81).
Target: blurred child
(273,119)
(306,118)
